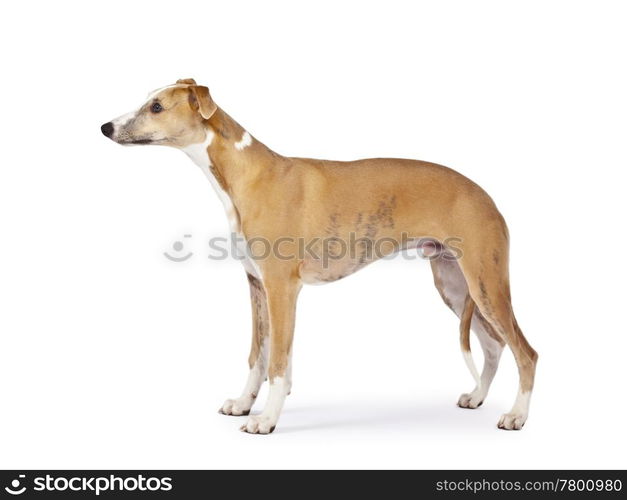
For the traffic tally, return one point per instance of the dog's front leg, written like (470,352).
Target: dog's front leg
(282,292)
(258,358)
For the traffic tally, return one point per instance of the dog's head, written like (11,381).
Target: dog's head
(172,116)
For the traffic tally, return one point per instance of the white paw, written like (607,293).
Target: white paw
(512,421)
(472,400)
(237,407)
(259,424)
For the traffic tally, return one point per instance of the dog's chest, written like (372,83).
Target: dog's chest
(200,156)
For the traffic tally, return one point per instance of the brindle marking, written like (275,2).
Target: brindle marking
(260,318)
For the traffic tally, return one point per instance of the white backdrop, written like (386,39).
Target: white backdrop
(114,357)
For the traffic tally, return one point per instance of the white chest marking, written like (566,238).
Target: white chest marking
(200,156)
(245,141)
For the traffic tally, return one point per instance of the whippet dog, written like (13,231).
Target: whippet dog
(340,212)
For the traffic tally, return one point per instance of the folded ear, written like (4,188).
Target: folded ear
(186,81)
(201,101)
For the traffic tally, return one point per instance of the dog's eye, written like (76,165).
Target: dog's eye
(156,107)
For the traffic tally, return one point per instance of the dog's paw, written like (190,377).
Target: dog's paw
(258,424)
(471,401)
(512,421)
(237,407)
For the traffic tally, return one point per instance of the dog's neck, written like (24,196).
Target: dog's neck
(233,160)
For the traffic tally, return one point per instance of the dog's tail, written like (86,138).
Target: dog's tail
(464,337)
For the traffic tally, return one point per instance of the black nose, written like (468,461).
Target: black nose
(107,129)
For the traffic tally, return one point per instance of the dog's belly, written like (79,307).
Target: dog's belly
(317,272)
(332,263)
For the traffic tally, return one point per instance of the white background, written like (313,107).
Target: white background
(114,357)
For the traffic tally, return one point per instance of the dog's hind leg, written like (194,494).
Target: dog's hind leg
(484,265)
(258,358)
(492,347)
(451,285)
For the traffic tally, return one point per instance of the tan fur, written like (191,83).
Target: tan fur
(464,326)
(201,101)
(300,198)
